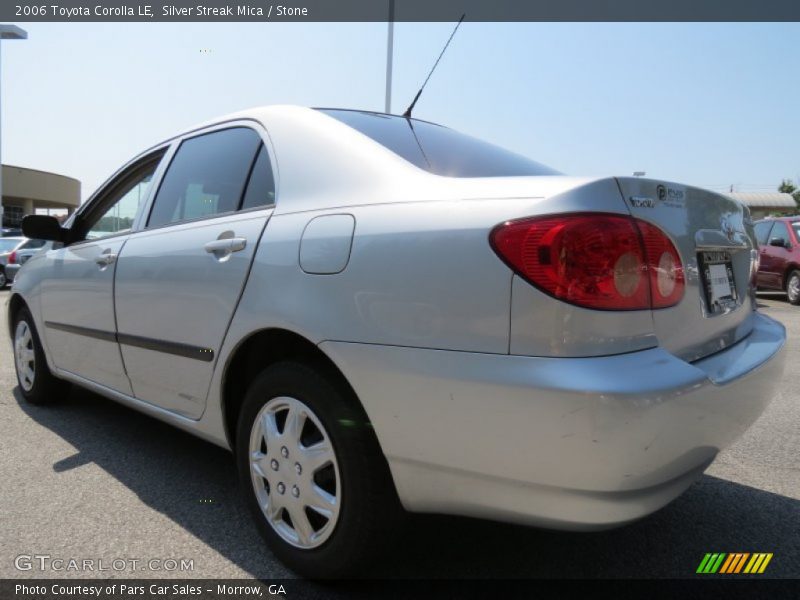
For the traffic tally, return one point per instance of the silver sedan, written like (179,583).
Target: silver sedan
(378,314)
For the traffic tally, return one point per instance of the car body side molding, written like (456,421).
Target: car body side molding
(176,348)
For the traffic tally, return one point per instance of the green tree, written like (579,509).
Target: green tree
(787,187)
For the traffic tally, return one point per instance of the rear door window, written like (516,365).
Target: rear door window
(261,186)
(33,244)
(780,231)
(762,232)
(206,177)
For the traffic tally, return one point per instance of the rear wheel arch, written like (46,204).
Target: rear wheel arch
(262,349)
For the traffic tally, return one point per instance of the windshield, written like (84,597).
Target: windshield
(439,150)
(8,244)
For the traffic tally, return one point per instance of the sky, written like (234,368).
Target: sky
(713,105)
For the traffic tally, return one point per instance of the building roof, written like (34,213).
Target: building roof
(53,189)
(765,199)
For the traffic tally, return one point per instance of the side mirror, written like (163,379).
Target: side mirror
(776,241)
(43,227)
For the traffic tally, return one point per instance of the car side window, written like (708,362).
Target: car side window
(261,186)
(33,244)
(762,232)
(122,206)
(206,177)
(782,232)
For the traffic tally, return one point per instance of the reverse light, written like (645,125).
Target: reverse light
(594,260)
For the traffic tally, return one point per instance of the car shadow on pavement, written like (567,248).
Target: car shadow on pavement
(762,295)
(149,457)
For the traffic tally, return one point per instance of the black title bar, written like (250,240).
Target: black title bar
(403,10)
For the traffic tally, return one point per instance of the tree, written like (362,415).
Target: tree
(787,187)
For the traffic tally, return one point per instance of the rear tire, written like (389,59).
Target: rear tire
(793,287)
(313,473)
(3,279)
(36,382)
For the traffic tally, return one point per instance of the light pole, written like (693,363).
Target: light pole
(389,53)
(7,32)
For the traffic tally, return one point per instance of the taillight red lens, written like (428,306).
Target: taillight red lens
(664,266)
(12,258)
(594,260)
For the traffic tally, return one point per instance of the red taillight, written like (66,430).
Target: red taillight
(12,258)
(594,260)
(664,266)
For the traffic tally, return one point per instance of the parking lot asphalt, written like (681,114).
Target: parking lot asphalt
(89,479)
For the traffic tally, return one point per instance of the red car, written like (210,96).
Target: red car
(779,247)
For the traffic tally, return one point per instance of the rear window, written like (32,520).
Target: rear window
(437,149)
(8,244)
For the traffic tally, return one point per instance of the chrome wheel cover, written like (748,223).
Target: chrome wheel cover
(294,472)
(24,356)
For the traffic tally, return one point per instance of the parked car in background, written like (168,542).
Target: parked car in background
(403,315)
(10,232)
(7,247)
(779,253)
(19,256)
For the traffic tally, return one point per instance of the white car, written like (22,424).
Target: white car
(374,312)
(11,262)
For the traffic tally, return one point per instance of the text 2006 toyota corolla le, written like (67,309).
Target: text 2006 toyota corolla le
(377,312)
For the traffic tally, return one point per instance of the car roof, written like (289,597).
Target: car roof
(346,160)
(270,112)
(790,219)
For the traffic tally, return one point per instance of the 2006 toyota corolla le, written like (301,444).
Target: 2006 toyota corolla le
(376,312)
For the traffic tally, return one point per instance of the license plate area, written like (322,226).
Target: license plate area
(716,275)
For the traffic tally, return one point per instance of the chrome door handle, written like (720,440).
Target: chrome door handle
(105,259)
(225,245)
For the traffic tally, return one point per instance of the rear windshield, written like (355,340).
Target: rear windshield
(437,149)
(8,244)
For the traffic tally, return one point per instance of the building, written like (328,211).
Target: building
(762,204)
(28,191)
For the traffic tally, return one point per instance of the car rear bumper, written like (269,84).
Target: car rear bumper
(577,443)
(11,272)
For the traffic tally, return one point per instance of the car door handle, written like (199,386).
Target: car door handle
(105,259)
(226,245)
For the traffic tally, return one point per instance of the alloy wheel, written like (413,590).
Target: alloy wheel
(294,472)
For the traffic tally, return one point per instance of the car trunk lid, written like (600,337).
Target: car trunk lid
(712,234)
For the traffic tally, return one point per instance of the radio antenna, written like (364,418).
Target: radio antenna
(407,114)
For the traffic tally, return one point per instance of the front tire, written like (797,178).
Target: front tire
(36,382)
(793,287)
(313,473)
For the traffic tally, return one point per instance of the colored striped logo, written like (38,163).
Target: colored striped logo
(734,562)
